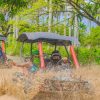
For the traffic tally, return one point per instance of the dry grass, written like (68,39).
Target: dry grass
(7,86)
(7,97)
(90,74)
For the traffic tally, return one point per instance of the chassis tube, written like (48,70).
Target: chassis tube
(3,46)
(42,63)
(74,57)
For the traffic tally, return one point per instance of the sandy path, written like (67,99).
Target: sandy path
(6,97)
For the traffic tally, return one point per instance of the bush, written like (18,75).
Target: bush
(88,55)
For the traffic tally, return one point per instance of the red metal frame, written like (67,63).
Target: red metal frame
(74,56)
(42,63)
(3,46)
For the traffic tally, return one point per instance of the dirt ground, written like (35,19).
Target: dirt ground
(91,74)
(6,97)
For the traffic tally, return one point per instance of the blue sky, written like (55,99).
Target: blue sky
(87,23)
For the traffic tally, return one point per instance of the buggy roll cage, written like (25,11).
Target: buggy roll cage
(52,38)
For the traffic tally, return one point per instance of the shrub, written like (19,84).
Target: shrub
(88,55)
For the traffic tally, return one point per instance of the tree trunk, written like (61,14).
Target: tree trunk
(50,16)
(76,27)
(37,21)
(57,15)
(76,30)
(15,27)
(70,28)
(83,12)
(65,19)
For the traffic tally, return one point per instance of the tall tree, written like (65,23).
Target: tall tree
(65,19)
(88,9)
(50,16)
(76,32)
(8,8)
